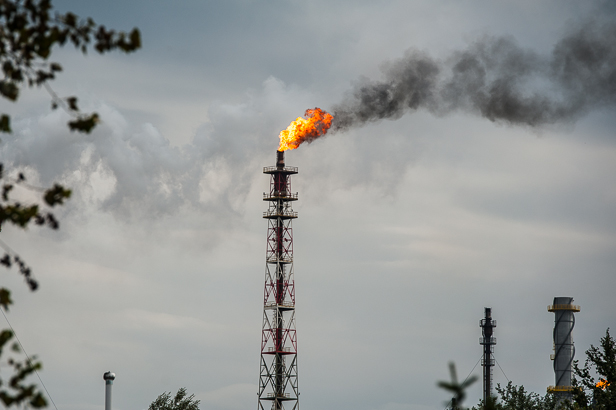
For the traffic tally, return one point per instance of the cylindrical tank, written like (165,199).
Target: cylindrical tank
(564,350)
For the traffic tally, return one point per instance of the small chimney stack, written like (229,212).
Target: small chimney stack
(280,159)
(108,377)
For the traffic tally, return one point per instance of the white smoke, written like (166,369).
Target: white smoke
(134,171)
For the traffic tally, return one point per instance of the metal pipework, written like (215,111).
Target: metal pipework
(487,325)
(108,377)
(564,350)
(280,159)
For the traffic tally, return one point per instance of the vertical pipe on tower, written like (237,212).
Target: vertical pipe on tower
(564,350)
(108,377)
(281,182)
(487,325)
(278,371)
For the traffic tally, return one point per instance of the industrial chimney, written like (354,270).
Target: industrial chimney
(108,377)
(564,351)
(487,325)
(278,370)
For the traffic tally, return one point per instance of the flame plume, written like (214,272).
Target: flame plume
(602,384)
(314,125)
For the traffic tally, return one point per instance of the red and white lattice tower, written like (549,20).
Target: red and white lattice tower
(278,373)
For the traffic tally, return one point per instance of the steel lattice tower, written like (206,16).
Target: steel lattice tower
(487,325)
(278,370)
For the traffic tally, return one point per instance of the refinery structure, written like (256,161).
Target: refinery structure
(278,388)
(278,379)
(278,376)
(487,325)
(564,350)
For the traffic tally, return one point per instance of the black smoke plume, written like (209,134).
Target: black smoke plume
(497,79)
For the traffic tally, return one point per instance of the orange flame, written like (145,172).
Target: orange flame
(316,124)
(602,384)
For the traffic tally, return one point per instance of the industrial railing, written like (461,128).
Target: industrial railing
(483,322)
(283,350)
(269,170)
(281,195)
(574,308)
(553,389)
(279,395)
(281,304)
(280,214)
(282,259)
(490,341)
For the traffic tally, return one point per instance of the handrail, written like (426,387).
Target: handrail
(283,304)
(283,214)
(291,195)
(275,259)
(284,349)
(552,389)
(284,169)
(574,308)
(285,395)
(483,322)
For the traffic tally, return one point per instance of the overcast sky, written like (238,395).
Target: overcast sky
(407,228)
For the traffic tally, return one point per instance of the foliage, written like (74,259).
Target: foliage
(29,31)
(180,402)
(517,398)
(21,215)
(600,393)
(591,393)
(16,392)
(458,389)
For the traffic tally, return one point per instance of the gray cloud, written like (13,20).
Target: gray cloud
(157,271)
(132,171)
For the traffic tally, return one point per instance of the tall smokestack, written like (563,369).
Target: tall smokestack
(487,325)
(108,377)
(564,350)
(278,370)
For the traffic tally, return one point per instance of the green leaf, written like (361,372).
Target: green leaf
(72,103)
(5,123)
(9,90)
(5,298)
(84,124)
(56,195)
(5,336)
(18,214)
(135,39)
(6,190)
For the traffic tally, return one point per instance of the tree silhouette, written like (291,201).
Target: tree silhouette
(29,31)
(180,402)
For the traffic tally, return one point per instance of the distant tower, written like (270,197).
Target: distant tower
(278,374)
(564,351)
(109,378)
(487,325)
